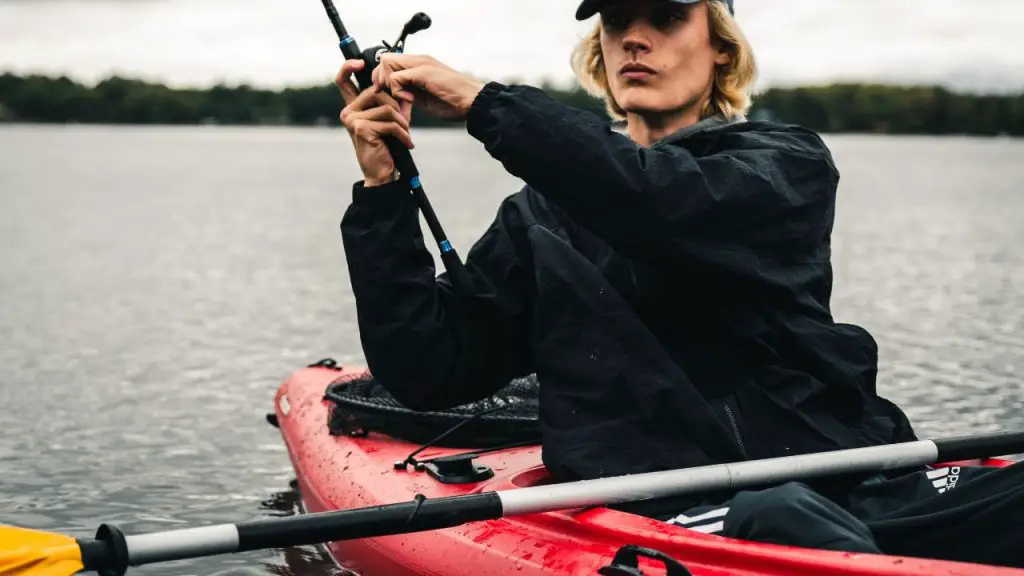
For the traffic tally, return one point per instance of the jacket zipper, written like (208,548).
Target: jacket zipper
(728,410)
(735,429)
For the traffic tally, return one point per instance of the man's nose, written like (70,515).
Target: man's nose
(636,37)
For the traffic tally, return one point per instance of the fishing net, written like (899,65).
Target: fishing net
(362,405)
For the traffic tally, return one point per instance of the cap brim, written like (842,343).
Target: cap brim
(588,8)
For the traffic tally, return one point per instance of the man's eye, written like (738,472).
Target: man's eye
(667,18)
(614,20)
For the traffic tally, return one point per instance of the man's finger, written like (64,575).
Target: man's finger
(381,78)
(387,100)
(366,101)
(367,129)
(376,77)
(369,99)
(401,82)
(344,79)
(402,61)
(383,113)
(398,132)
(391,63)
(360,103)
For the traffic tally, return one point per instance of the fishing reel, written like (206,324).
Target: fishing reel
(417,23)
(371,56)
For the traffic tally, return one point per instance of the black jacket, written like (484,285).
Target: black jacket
(673,300)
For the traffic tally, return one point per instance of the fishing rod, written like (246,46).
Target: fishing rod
(408,173)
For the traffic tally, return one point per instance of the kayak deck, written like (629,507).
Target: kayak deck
(344,472)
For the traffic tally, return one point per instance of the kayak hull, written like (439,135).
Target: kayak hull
(343,472)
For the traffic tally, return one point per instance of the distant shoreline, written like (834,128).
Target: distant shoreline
(447,128)
(830,109)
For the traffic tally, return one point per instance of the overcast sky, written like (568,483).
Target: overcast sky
(964,44)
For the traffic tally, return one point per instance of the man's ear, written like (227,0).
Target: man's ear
(723,57)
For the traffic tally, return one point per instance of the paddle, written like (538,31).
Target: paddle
(30,552)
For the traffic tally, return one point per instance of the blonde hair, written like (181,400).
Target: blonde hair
(730,88)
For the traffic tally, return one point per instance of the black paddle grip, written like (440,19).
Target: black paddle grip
(107,555)
(988,446)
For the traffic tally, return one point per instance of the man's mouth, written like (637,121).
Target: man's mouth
(636,71)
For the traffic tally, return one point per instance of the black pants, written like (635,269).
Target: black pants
(967,514)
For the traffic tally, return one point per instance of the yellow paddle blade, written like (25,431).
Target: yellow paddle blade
(34,553)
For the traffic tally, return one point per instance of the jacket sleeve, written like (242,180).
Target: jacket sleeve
(765,195)
(429,347)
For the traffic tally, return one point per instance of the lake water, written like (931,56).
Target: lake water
(157,285)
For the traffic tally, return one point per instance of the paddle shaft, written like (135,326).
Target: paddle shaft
(405,166)
(431,514)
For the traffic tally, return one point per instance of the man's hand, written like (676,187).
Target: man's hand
(369,117)
(433,86)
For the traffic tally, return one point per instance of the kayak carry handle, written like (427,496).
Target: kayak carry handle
(627,562)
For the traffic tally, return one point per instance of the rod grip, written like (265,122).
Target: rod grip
(402,157)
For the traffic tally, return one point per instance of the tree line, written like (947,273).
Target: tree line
(836,108)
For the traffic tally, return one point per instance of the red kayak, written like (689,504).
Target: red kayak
(340,471)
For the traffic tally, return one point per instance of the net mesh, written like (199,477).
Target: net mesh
(362,405)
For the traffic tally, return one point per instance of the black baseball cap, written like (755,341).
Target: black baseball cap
(590,7)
